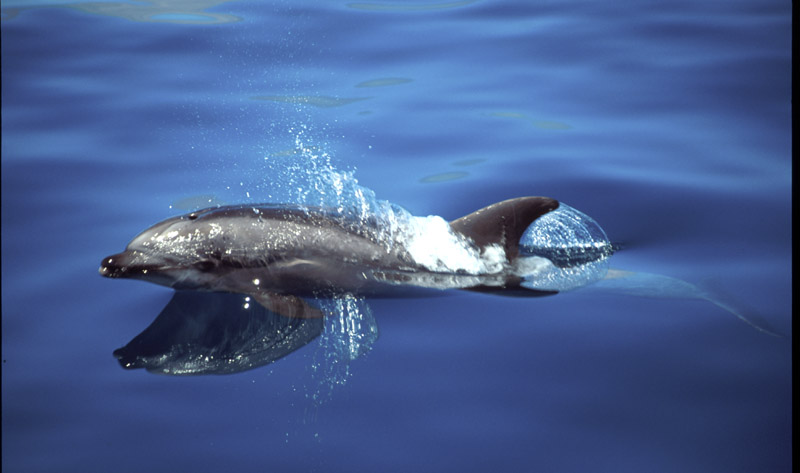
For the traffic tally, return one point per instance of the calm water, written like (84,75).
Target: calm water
(667,122)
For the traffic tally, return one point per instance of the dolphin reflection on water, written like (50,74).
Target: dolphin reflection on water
(242,273)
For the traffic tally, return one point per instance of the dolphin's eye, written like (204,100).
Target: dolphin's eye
(205,266)
(192,216)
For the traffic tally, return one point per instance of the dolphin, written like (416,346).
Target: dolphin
(280,253)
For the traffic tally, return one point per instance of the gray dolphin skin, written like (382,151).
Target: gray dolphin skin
(278,253)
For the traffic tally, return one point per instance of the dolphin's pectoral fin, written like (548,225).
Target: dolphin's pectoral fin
(512,288)
(288,306)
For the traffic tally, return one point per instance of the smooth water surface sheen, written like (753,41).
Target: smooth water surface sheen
(667,123)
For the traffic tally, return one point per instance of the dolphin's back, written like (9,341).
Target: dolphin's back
(294,249)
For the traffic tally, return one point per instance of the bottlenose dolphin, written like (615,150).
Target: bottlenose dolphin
(279,253)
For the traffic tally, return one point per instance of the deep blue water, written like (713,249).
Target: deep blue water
(667,122)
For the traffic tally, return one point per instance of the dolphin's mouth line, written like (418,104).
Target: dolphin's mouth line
(110,270)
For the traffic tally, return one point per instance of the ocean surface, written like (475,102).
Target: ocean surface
(669,123)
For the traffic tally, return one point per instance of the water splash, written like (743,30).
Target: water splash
(309,177)
(350,332)
(562,250)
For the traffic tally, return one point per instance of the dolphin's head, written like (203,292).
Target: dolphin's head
(181,252)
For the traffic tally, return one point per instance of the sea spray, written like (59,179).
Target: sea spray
(350,331)
(309,178)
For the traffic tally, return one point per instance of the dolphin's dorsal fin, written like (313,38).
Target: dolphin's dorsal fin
(504,222)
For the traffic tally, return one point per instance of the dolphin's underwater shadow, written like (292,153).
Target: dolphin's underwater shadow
(216,333)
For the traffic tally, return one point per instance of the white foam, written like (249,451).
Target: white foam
(433,244)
